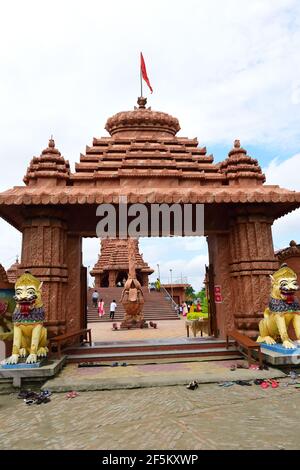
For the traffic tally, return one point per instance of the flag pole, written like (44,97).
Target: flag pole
(141,78)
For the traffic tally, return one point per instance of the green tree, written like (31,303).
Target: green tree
(203,300)
(189,292)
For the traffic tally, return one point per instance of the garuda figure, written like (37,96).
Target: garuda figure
(132,296)
(29,334)
(283,309)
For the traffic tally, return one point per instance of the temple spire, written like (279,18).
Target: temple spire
(240,168)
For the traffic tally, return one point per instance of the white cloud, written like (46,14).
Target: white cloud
(226,70)
(286,175)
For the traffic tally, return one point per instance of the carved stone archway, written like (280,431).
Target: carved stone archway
(145,161)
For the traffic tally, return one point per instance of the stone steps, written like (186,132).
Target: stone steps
(156,306)
(144,350)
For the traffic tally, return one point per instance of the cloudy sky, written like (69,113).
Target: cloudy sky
(225,68)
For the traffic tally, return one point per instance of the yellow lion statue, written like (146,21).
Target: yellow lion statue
(283,309)
(29,334)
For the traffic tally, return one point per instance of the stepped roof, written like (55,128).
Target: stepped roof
(50,166)
(145,160)
(114,256)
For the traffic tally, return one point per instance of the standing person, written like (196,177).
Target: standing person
(184,309)
(112,309)
(198,306)
(101,311)
(95,298)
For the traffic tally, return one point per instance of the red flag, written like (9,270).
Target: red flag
(144,73)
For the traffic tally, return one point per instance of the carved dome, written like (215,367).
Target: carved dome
(142,120)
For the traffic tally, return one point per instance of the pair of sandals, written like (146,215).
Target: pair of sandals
(243,382)
(34,398)
(116,364)
(192,385)
(269,383)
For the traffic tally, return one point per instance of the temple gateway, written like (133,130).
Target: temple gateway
(145,160)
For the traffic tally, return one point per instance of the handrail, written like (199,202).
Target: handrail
(174,304)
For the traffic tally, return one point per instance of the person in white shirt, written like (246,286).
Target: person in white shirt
(95,298)
(112,309)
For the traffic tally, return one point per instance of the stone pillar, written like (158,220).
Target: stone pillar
(252,260)
(112,279)
(74,292)
(145,279)
(44,247)
(219,257)
(97,281)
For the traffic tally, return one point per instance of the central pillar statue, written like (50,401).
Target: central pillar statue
(132,297)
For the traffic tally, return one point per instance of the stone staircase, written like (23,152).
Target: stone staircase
(156,307)
(168,349)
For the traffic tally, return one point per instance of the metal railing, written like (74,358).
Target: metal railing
(169,297)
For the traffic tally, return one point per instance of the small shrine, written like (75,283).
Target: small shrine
(13,271)
(291,256)
(112,267)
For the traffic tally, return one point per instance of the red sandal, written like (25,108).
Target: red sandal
(264,385)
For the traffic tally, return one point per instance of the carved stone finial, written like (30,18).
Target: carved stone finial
(142,102)
(293,243)
(237,144)
(51,142)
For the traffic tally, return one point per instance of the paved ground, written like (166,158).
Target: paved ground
(158,374)
(210,417)
(165,329)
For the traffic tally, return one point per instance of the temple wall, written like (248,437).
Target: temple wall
(219,257)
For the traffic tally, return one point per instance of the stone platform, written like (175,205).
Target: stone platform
(277,355)
(21,371)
